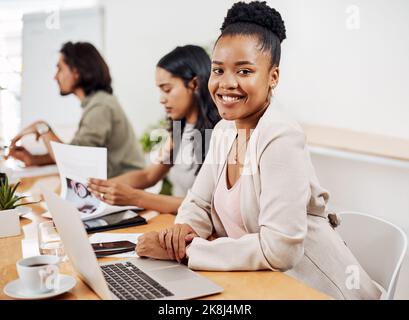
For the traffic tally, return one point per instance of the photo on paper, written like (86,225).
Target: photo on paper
(76,164)
(79,194)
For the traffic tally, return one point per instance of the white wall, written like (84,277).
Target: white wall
(41,44)
(331,74)
(139,33)
(357,79)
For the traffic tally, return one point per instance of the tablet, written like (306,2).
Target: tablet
(117,220)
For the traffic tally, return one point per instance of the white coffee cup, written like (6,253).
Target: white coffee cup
(39,274)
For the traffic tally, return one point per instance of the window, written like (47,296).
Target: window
(10,75)
(11,27)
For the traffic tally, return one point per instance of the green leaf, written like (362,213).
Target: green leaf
(8,198)
(24,204)
(13,191)
(19,198)
(13,201)
(10,204)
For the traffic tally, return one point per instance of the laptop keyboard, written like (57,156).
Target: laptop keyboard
(128,282)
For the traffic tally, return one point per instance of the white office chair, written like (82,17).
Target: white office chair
(378,245)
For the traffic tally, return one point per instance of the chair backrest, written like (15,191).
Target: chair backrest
(378,245)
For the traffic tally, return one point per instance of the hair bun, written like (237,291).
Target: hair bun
(256,12)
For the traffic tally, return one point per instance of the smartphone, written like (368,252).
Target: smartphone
(108,248)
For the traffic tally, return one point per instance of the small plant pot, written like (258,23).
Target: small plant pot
(9,223)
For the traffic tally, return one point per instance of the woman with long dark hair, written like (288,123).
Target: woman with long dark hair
(181,76)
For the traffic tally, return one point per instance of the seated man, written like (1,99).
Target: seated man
(82,71)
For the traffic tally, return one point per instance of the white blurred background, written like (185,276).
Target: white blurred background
(344,63)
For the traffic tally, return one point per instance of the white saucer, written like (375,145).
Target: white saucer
(15,290)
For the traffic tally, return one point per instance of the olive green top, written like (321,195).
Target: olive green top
(104,124)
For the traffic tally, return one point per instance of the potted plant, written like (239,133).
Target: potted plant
(9,217)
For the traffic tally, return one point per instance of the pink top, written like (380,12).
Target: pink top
(227,206)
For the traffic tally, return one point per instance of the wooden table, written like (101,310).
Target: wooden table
(237,285)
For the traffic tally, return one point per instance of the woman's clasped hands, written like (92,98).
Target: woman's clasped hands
(168,244)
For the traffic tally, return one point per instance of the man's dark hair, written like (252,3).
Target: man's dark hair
(92,69)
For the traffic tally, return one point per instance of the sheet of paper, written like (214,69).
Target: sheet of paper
(109,237)
(76,164)
(78,161)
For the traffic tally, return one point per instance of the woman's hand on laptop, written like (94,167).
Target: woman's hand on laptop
(175,238)
(114,193)
(148,246)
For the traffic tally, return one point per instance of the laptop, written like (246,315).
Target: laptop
(133,279)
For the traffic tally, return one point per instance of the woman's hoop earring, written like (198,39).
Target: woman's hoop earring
(272,90)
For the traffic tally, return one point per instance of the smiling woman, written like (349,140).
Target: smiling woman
(259,204)
(240,87)
(243,76)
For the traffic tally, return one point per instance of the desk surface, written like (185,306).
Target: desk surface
(237,285)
